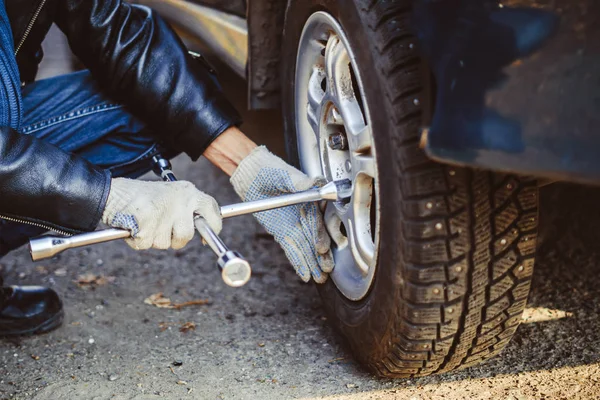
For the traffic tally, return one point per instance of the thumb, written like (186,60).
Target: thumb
(208,208)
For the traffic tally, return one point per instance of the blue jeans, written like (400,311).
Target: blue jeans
(71,112)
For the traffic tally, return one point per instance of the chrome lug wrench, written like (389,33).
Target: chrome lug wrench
(340,191)
(235,270)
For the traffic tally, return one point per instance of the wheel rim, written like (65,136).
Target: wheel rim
(329,100)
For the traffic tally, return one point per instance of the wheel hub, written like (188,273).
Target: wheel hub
(335,140)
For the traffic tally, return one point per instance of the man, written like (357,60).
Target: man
(70,145)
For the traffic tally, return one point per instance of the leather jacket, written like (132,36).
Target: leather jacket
(142,64)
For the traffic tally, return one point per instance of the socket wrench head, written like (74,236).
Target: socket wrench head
(235,270)
(46,247)
(340,191)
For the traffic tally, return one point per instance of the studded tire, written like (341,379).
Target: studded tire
(457,246)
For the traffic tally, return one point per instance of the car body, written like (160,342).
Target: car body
(554,95)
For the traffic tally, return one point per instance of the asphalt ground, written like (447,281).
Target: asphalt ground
(270,339)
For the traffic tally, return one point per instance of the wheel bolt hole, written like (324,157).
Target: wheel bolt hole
(343,230)
(348,166)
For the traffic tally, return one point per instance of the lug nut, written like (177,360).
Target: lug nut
(337,141)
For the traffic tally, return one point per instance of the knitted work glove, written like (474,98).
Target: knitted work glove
(158,214)
(298,229)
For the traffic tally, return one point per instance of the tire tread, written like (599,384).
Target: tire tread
(462,289)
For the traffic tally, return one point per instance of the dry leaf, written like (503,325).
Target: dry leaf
(541,314)
(164,326)
(188,326)
(160,301)
(200,302)
(92,280)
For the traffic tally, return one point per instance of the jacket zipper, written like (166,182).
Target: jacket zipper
(46,227)
(25,35)
(30,26)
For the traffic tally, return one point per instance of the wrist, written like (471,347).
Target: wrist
(229,149)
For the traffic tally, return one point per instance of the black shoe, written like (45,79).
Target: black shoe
(29,310)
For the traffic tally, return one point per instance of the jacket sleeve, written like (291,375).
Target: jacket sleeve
(142,64)
(42,184)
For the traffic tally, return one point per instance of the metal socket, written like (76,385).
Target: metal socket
(235,270)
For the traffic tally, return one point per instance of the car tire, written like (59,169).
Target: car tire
(456,246)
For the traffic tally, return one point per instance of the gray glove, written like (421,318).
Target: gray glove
(158,214)
(298,229)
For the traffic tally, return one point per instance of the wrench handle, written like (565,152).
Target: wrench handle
(48,246)
(271,203)
(209,236)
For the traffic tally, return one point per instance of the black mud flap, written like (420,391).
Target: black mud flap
(518,90)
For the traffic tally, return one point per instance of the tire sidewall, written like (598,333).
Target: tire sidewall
(377,311)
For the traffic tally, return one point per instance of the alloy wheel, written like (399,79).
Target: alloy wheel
(335,140)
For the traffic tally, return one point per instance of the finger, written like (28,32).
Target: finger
(140,242)
(318,275)
(333,226)
(323,206)
(295,255)
(317,250)
(314,228)
(132,243)
(326,261)
(144,237)
(209,209)
(319,181)
(311,255)
(323,243)
(162,238)
(183,232)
